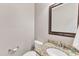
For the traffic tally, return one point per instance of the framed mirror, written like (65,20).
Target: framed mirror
(63,19)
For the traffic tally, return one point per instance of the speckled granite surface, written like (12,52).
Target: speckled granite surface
(42,50)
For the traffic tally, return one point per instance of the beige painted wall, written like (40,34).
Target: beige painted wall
(16,27)
(41,25)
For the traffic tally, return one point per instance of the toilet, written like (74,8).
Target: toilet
(31,53)
(38,44)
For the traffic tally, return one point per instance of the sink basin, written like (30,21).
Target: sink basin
(55,52)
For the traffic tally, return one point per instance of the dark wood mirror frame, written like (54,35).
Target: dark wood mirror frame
(50,22)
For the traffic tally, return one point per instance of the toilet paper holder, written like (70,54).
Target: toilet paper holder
(12,51)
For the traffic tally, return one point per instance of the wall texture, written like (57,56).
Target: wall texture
(41,25)
(16,27)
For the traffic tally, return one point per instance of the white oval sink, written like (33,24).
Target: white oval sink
(55,52)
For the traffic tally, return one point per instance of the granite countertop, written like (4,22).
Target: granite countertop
(42,49)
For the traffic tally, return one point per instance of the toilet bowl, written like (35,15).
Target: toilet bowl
(31,53)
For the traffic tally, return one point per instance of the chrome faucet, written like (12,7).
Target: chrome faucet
(60,44)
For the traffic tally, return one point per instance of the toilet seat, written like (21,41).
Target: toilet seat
(31,53)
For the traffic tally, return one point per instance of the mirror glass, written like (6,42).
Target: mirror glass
(64,18)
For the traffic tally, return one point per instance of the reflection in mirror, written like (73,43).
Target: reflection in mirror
(63,19)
